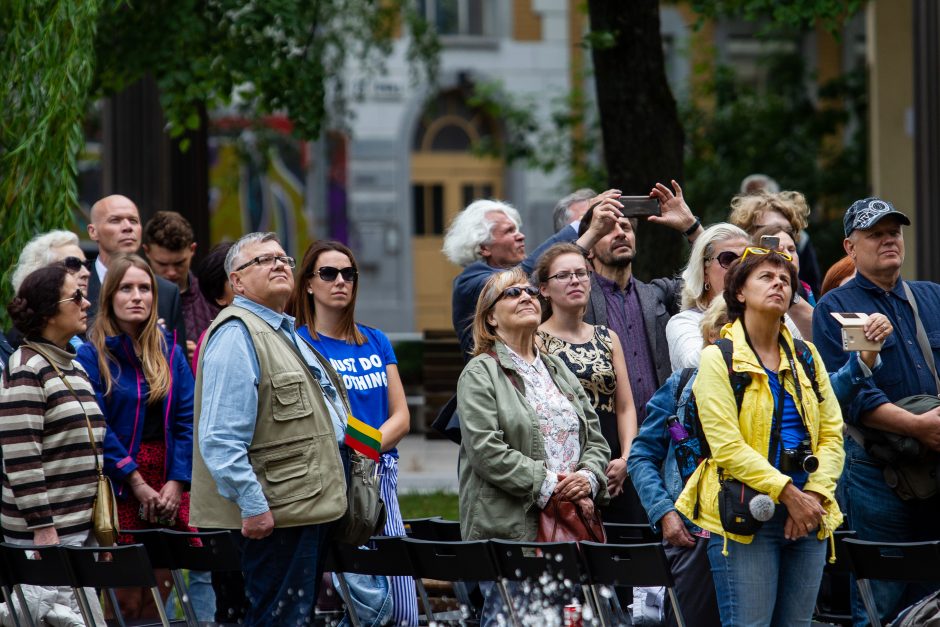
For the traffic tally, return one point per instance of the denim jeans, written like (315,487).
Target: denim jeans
(772,580)
(283,571)
(876,513)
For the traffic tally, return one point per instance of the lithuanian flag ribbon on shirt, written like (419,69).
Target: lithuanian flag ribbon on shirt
(363,438)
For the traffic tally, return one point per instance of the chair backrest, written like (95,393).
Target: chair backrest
(52,569)
(451,561)
(626,564)
(631,533)
(389,556)
(421,528)
(212,551)
(125,566)
(445,530)
(518,561)
(897,561)
(157,551)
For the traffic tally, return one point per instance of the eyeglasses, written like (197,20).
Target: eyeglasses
(76,298)
(515,292)
(566,275)
(753,250)
(724,258)
(329,273)
(74,264)
(268,260)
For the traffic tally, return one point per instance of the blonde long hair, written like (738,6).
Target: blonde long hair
(151,340)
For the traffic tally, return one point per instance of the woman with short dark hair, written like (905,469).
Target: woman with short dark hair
(48,407)
(784,442)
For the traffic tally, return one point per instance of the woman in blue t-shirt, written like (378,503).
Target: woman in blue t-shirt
(324,303)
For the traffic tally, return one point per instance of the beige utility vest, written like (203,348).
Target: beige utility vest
(293,451)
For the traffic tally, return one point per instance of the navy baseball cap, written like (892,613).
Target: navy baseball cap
(865,213)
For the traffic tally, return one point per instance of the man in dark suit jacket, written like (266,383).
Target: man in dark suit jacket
(115,226)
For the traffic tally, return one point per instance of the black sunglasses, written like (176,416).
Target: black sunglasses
(725,259)
(76,298)
(515,292)
(329,273)
(74,264)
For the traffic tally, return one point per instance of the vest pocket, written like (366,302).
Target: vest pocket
(287,470)
(290,396)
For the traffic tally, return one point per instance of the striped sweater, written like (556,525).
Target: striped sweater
(49,473)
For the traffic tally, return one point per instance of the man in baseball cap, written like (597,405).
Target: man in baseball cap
(874,240)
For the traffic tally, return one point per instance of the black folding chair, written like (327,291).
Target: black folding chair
(628,565)
(36,566)
(421,528)
(631,533)
(455,562)
(388,556)
(891,561)
(445,530)
(125,566)
(533,561)
(833,603)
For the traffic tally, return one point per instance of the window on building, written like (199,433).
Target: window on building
(428,208)
(467,18)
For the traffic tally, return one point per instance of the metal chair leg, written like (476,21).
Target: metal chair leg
(24,607)
(112,598)
(347,599)
(182,593)
(504,592)
(604,611)
(8,599)
(868,598)
(155,591)
(84,606)
(428,613)
(680,620)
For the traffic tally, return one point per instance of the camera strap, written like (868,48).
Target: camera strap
(922,336)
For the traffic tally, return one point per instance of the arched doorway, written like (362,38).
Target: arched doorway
(446,176)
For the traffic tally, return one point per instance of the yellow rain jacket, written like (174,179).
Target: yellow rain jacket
(739,444)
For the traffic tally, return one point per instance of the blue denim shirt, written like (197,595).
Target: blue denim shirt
(227,416)
(904,372)
(652,462)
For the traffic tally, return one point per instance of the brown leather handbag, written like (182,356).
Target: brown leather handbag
(563,521)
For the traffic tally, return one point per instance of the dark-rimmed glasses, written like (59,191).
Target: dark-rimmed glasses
(74,264)
(754,250)
(516,291)
(267,260)
(76,298)
(329,273)
(565,275)
(724,258)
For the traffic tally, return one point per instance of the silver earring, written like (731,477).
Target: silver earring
(708,286)
(309,291)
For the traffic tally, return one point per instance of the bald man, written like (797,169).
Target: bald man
(115,226)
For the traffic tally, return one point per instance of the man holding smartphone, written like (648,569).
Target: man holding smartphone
(874,240)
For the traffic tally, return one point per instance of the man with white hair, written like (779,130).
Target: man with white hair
(115,227)
(485,238)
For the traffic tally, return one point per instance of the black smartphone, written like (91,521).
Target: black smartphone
(640,206)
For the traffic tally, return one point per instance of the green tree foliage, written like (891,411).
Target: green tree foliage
(45,73)
(284,56)
(785,133)
(798,13)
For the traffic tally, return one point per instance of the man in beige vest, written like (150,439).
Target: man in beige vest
(270,419)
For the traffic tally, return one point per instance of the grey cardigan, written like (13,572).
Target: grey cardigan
(502,454)
(659,300)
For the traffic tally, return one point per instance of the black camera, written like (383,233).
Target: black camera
(799,458)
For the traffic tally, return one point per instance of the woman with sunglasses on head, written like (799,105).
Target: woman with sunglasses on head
(784,442)
(324,304)
(144,386)
(42,250)
(529,431)
(703,279)
(51,433)
(595,356)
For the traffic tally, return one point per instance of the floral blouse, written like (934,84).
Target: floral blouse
(558,424)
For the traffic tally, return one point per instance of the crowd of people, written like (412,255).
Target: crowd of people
(219,395)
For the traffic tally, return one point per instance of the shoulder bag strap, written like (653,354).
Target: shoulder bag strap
(922,336)
(91,432)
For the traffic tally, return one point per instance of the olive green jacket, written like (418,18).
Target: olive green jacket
(502,453)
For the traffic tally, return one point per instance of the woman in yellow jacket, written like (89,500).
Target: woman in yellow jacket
(771,577)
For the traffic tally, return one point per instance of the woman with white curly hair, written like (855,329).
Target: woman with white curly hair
(43,250)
